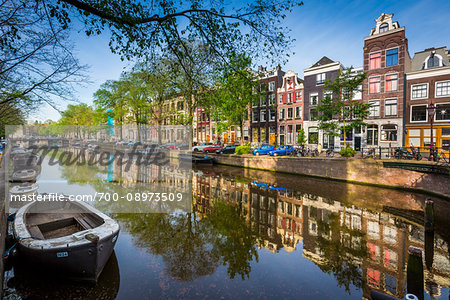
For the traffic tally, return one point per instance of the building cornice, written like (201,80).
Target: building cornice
(325,68)
(428,73)
(384,33)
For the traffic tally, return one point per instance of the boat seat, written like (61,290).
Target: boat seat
(86,221)
(35,232)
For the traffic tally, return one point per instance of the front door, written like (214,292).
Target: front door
(357,143)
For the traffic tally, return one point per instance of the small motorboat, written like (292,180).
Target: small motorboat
(27,160)
(195,159)
(71,238)
(18,151)
(24,189)
(24,176)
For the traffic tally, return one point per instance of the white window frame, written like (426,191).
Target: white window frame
(435,120)
(385,56)
(281,111)
(379,110)
(253,119)
(416,84)
(311,95)
(368,85)
(426,114)
(381,59)
(292,114)
(272,98)
(261,114)
(385,80)
(396,100)
(435,89)
(322,80)
(299,116)
(274,115)
(271,86)
(280,99)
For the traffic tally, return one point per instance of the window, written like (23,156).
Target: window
(262,100)
(282,129)
(372,135)
(375,60)
(443,112)
(419,91)
(272,115)
(313,114)
(374,110)
(298,95)
(271,99)
(289,134)
(289,98)
(389,132)
(433,61)
(391,82)
(392,57)
(290,113)
(374,84)
(281,114)
(313,135)
(320,78)
(255,116)
(298,112)
(245,131)
(263,115)
(272,86)
(280,99)
(418,113)
(384,27)
(390,107)
(313,99)
(443,89)
(255,102)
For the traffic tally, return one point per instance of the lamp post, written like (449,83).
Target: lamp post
(431,108)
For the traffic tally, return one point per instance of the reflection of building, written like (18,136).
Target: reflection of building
(428,82)
(335,237)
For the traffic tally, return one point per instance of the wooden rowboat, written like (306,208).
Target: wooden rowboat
(71,238)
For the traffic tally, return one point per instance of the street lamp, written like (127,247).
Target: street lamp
(431,108)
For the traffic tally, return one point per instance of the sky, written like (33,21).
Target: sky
(335,29)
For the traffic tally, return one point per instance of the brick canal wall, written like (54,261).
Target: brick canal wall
(365,171)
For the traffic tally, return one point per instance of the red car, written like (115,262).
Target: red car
(212,148)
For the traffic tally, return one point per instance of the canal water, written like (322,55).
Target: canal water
(255,235)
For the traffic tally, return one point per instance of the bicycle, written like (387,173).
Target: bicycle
(370,153)
(330,152)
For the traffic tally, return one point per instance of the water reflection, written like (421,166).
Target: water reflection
(261,234)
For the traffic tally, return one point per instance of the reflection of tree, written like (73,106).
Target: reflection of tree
(235,241)
(193,247)
(342,254)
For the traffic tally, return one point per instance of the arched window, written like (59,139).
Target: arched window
(384,27)
(433,61)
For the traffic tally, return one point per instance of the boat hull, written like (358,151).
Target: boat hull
(82,262)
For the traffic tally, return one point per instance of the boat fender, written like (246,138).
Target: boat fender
(92,237)
(11,217)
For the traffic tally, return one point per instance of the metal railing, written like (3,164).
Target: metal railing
(441,154)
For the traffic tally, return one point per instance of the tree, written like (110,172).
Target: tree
(36,64)
(144,28)
(338,111)
(235,90)
(301,137)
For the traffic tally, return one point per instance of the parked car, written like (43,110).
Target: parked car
(172,146)
(226,150)
(212,148)
(282,150)
(133,143)
(201,147)
(263,150)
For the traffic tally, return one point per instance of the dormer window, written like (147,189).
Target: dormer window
(384,27)
(433,61)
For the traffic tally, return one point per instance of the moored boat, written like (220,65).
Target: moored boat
(24,189)
(24,175)
(195,159)
(70,237)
